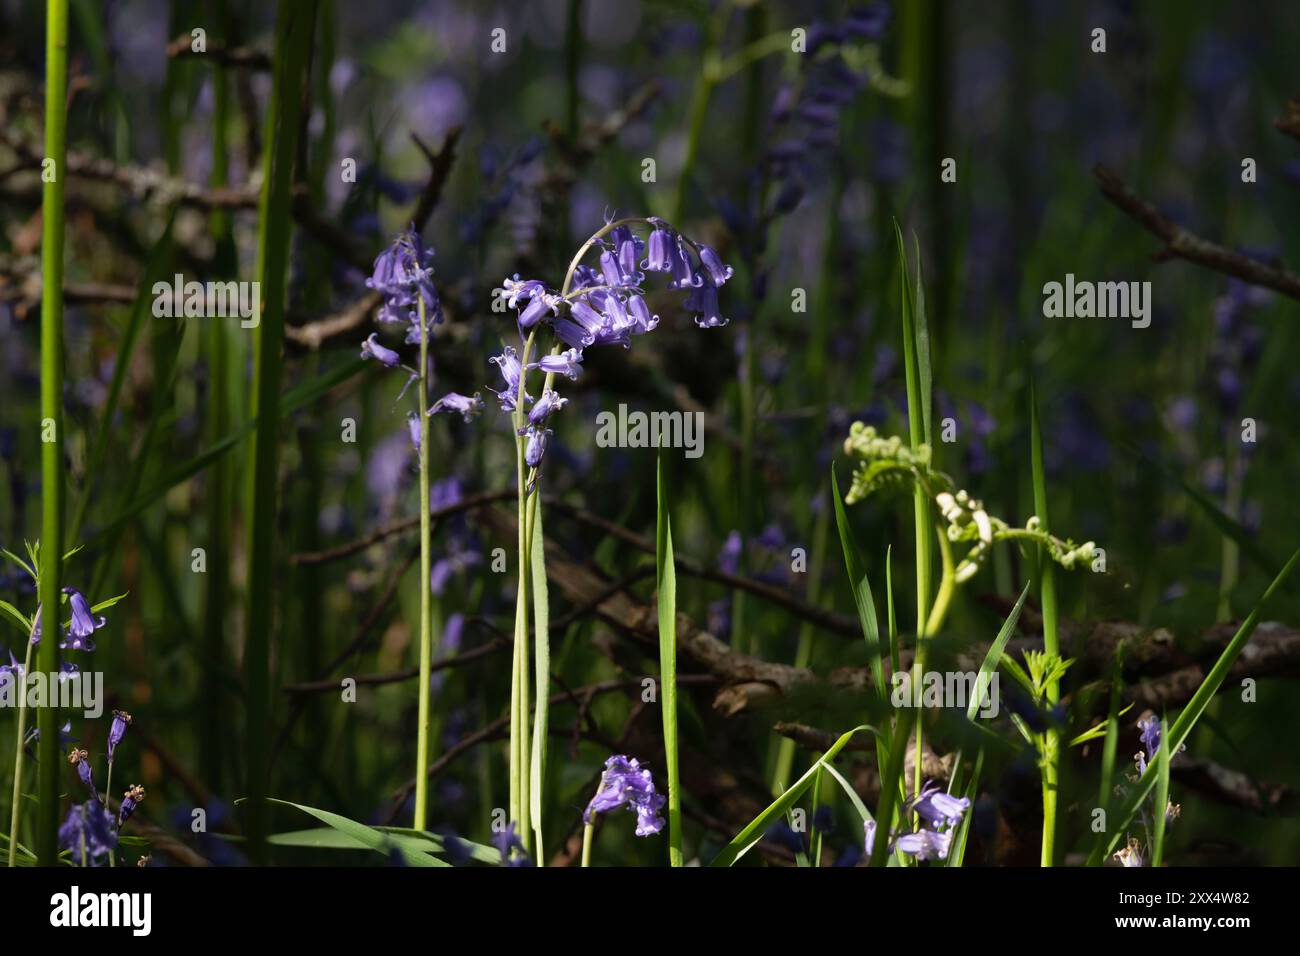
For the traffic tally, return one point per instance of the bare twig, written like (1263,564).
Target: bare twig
(239,56)
(1187,245)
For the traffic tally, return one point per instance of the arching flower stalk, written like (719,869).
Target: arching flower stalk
(597,304)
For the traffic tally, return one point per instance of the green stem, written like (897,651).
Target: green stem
(1051,638)
(52,479)
(426,595)
(108,791)
(18,760)
(587,833)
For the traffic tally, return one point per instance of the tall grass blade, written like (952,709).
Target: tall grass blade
(1162,799)
(666,587)
(862,600)
(294,28)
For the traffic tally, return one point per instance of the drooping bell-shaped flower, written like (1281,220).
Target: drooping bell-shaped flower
(565,363)
(130,800)
(625,782)
(117,730)
(467,405)
(371,349)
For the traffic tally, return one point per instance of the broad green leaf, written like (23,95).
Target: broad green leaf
(365,836)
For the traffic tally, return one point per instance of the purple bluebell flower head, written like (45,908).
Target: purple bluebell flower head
(117,730)
(718,270)
(925,844)
(88,832)
(467,405)
(84,623)
(625,782)
(703,300)
(371,349)
(508,363)
(938,808)
(81,760)
(507,841)
(403,274)
(538,438)
(639,314)
(565,363)
(549,403)
(684,274)
(130,800)
(661,249)
(868,22)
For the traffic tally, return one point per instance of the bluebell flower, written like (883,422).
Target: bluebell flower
(535,449)
(1131,855)
(413,428)
(83,625)
(81,760)
(508,363)
(925,844)
(661,249)
(703,300)
(549,403)
(403,274)
(625,782)
(371,349)
(938,808)
(639,314)
(467,405)
(88,832)
(868,22)
(117,730)
(508,840)
(565,363)
(130,800)
(719,272)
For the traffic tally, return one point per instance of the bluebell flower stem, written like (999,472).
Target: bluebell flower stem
(18,763)
(108,789)
(519,705)
(426,596)
(588,832)
(52,448)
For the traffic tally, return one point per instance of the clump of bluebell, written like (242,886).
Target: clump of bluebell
(625,783)
(603,304)
(939,814)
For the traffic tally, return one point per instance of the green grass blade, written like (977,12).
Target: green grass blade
(542,680)
(994,655)
(862,599)
(1162,799)
(294,29)
(666,586)
(1182,727)
(890,775)
(366,836)
(746,838)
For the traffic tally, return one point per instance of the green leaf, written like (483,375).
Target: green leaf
(542,653)
(666,588)
(847,787)
(855,566)
(16,616)
(364,836)
(994,655)
(744,841)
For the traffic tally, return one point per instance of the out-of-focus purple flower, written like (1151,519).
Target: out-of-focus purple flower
(729,556)
(130,800)
(467,405)
(88,832)
(625,782)
(508,840)
(413,428)
(371,349)
(868,22)
(869,831)
(1131,855)
(117,730)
